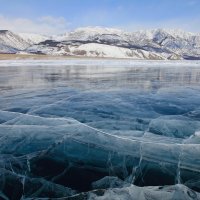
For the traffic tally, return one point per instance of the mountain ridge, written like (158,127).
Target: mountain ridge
(106,42)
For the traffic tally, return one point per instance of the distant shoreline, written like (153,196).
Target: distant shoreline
(54,57)
(36,57)
(5,56)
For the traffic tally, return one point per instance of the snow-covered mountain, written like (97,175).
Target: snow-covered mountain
(109,42)
(11,42)
(90,33)
(33,38)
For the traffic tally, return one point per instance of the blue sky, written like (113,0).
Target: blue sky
(56,16)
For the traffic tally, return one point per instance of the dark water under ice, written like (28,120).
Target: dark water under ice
(71,129)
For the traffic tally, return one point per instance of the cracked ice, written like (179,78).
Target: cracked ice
(99,132)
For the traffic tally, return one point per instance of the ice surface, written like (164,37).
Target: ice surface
(100,62)
(174,126)
(109,182)
(178,192)
(75,135)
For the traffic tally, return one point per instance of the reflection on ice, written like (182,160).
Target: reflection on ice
(62,139)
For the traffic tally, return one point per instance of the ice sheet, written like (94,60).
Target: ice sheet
(58,140)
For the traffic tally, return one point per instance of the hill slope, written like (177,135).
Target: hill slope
(107,42)
(11,42)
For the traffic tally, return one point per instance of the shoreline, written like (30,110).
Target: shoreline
(56,57)
(62,57)
(29,57)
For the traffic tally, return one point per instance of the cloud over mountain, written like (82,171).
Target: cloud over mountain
(42,25)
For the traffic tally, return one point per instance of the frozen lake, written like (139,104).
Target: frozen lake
(74,126)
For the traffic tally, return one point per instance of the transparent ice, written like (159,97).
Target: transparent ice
(73,129)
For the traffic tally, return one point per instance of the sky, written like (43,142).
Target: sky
(59,16)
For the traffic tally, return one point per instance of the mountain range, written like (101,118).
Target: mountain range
(158,44)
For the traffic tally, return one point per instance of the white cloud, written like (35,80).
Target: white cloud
(49,25)
(42,25)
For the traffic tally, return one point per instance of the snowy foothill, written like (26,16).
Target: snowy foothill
(99,42)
